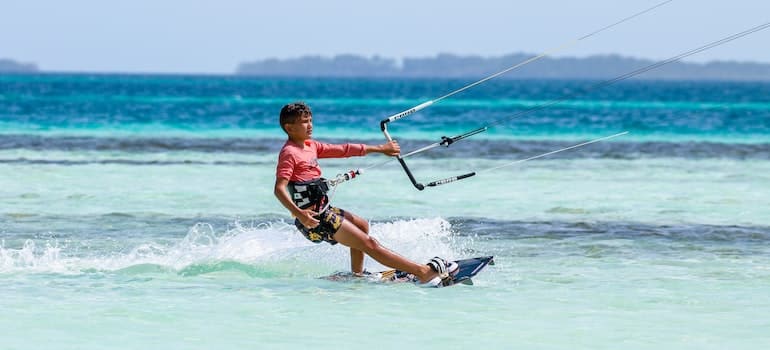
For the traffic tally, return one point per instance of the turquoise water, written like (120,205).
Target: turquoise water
(137,211)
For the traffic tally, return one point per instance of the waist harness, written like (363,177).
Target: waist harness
(306,194)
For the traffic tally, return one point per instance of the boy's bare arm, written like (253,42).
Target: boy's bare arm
(304,216)
(390,148)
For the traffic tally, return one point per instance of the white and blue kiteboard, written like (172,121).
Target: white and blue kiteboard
(466,269)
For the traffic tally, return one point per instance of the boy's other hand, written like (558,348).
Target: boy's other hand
(307,218)
(391,148)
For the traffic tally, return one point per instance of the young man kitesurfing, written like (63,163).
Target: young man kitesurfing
(301,189)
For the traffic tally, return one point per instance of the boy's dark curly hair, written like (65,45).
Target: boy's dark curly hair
(293,111)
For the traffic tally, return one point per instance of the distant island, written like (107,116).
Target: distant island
(11,66)
(456,66)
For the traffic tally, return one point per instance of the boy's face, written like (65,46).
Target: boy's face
(301,129)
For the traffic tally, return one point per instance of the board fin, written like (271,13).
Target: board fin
(467,282)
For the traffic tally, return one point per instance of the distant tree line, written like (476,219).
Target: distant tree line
(11,66)
(456,66)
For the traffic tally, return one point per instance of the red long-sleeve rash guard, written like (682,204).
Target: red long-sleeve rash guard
(297,163)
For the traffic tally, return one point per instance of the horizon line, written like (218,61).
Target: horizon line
(397,60)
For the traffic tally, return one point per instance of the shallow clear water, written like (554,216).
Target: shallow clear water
(137,211)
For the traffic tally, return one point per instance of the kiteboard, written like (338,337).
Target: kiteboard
(466,269)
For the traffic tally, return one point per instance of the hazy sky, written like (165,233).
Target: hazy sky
(191,36)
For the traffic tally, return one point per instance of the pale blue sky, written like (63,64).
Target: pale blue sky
(191,36)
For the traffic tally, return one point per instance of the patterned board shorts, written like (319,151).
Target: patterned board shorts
(330,222)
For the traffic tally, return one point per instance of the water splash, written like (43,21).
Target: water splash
(30,257)
(259,250)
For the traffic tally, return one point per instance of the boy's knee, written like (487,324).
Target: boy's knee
(370,243)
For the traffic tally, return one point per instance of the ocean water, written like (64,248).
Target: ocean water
(137,212)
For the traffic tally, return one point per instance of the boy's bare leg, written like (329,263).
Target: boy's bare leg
(357,256)
(350,235)
(356,261)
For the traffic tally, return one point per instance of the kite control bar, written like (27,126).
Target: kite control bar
(445,142)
